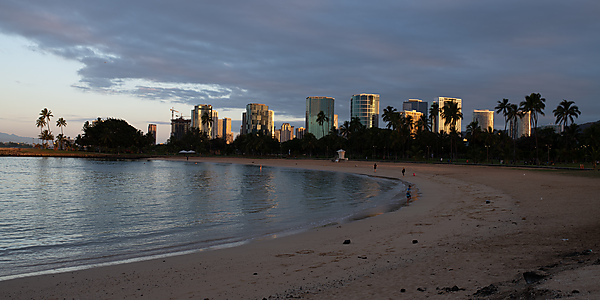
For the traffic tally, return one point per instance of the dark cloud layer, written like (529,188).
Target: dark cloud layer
(279,52)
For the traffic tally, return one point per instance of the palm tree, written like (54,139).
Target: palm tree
(61,137)
(433,113)
(422,124)
(46,114)
(535,105)
(46,136)
(61,123)
(451,115)
(389,114)
(566,111)
(61,141)
(512,115)
(322,118)
(345,129)
(502,108)
(40,123)
(207,121)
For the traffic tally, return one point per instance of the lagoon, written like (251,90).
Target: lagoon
(60,214)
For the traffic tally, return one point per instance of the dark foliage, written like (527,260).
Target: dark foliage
(113,135)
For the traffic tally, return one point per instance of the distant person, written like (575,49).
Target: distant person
(403,170)
(408,195)
(375,167)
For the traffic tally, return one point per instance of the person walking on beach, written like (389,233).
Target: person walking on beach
(408,195)
(403,170)
(375,167)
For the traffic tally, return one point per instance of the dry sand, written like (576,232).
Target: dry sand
(471,233)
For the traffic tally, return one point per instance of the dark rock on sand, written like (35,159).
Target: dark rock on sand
(533,277)
(486,291)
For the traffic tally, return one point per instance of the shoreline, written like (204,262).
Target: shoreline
(194,247)
(451,236)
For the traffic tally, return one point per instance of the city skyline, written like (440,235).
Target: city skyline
(135,61)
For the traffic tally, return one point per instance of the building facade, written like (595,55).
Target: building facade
(485,119)
(415,116)
(521,126)
(287,132)
(416,105)
(197,113)
(365,107)
(300,132)
(226,133)
(152,132)
(315,105)
(441,122)
(258,118)
(179,127)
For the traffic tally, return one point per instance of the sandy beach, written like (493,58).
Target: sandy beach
(472,232)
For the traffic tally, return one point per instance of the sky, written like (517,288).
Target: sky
(137,59)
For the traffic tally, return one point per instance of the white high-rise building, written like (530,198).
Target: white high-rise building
(365,107)
(522,126)
(441,122)
(485,119)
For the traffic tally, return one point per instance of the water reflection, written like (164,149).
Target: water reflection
(65,210)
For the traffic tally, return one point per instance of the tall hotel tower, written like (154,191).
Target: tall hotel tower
(197,113)
(521,126)
(441,122)
(365,107)
(485,119)
(258,118)
(315,105)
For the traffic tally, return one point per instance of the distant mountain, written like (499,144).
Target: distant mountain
(5,137)
(585,126)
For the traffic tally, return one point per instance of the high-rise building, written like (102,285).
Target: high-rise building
(197,113)
(277,135)
(226,130)
(217,126)
(522,126)
(179,127)
(271,122)
(415,116)
(300,132)
(258,118)
(485,119)
(315,105)
(365,107)
(152,132)
(287,132)
(441,122)
(243,127)
(416,104)
(335,122)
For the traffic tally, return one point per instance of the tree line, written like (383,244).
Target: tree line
(402,138)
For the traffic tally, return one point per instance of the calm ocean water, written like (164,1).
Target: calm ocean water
(59,214)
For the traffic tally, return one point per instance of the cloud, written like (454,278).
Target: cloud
(280,52)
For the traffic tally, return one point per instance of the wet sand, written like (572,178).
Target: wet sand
(472,232)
